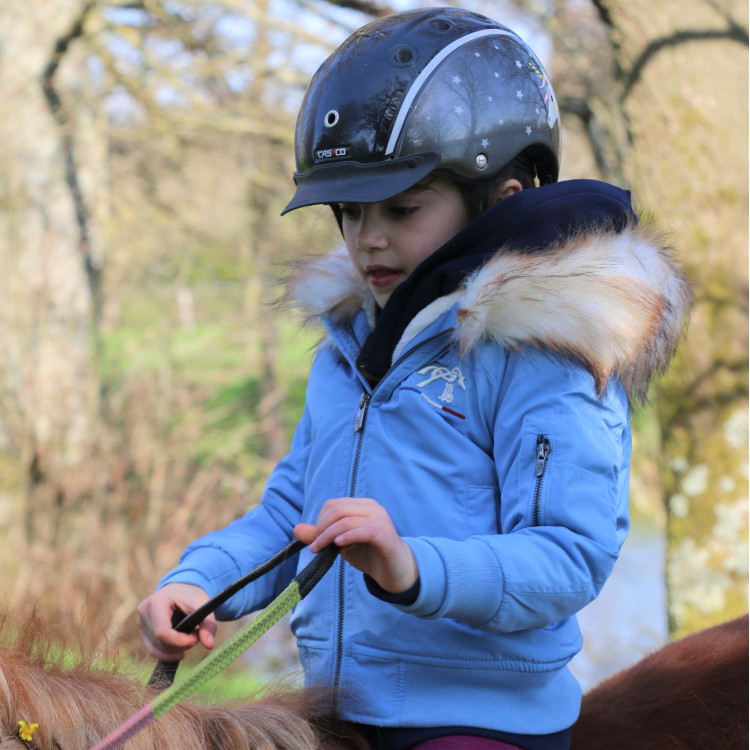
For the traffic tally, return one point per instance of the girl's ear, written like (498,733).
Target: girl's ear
(505,189)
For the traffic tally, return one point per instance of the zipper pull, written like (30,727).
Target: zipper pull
(542,452)
(364,399)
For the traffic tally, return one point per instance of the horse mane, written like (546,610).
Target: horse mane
(76,706)
(692,693)
(689,694)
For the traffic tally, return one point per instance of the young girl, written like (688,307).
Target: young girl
(465,440)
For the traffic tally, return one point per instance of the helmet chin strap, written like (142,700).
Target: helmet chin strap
(337,213)
(484,196)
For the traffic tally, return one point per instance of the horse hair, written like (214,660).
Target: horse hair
(690,694)
(77,706)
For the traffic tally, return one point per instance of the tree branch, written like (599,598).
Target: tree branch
(54,102)
(374,9)
(733,33)
(596,135)
(606,18)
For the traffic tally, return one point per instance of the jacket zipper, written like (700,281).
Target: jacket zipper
(359,425)
(543,449)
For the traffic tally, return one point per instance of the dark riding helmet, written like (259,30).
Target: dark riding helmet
(441,89)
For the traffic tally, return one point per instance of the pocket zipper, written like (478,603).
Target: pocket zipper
(543,449)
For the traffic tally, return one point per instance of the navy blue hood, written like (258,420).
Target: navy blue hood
(530,221)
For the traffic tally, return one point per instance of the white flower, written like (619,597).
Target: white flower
(736,429)
(695,481)
(731,520)
(679,506)
(679,464)
(727,484)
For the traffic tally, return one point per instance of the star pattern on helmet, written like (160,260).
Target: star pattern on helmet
(463,89)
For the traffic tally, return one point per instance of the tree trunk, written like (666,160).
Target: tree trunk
(45,287)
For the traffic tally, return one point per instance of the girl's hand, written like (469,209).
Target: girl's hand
(368,540)
(155,620)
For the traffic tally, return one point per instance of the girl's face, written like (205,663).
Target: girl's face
(387,240)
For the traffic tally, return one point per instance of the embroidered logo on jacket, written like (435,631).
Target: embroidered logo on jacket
(452,378)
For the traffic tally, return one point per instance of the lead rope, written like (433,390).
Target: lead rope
(217,660)
(164,672)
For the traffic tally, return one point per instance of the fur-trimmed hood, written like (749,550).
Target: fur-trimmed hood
(614,301)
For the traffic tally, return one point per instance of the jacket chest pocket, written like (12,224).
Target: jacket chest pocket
(482,506)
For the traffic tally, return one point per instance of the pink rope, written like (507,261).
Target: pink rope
(125,731)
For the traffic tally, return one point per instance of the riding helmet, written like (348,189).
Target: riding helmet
(439,89)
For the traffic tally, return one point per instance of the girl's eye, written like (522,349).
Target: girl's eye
(349,211)
(403,211)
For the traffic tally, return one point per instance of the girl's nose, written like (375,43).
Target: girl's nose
(371,232)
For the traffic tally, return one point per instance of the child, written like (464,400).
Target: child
(465,440)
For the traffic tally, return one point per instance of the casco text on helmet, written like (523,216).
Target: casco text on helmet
(442,89)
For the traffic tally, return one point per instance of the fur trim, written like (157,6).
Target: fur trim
(423,318)
(616,302)
(328,285)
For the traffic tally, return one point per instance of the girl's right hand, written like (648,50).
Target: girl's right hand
(155,620)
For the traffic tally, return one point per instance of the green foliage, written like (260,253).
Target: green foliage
(211,372)
(234,683)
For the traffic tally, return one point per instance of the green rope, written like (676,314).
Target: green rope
(228,651)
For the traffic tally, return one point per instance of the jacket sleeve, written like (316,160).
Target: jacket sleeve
(562,520)
(217,559)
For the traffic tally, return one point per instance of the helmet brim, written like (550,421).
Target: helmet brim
(354,182)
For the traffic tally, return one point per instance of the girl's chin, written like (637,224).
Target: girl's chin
(382,286)
(382,295)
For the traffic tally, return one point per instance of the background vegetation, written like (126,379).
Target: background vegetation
(146,387)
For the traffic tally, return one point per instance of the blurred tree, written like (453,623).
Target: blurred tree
(142,395)
(50,252)
(148,92)
(658,92)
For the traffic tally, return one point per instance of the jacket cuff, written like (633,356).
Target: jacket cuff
(450,583)
(405,597)
(186,576)
(194,564)
(432,579)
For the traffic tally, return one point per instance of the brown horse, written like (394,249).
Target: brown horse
(691,694)
(76,707)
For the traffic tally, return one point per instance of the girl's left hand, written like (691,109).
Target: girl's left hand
(368,540)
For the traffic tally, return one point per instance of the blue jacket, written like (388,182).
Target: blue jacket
(499,444)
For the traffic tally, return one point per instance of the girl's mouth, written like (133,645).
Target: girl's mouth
(381,275)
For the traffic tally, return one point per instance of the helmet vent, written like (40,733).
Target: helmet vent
(403,56)
(331,118)
(439,25)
